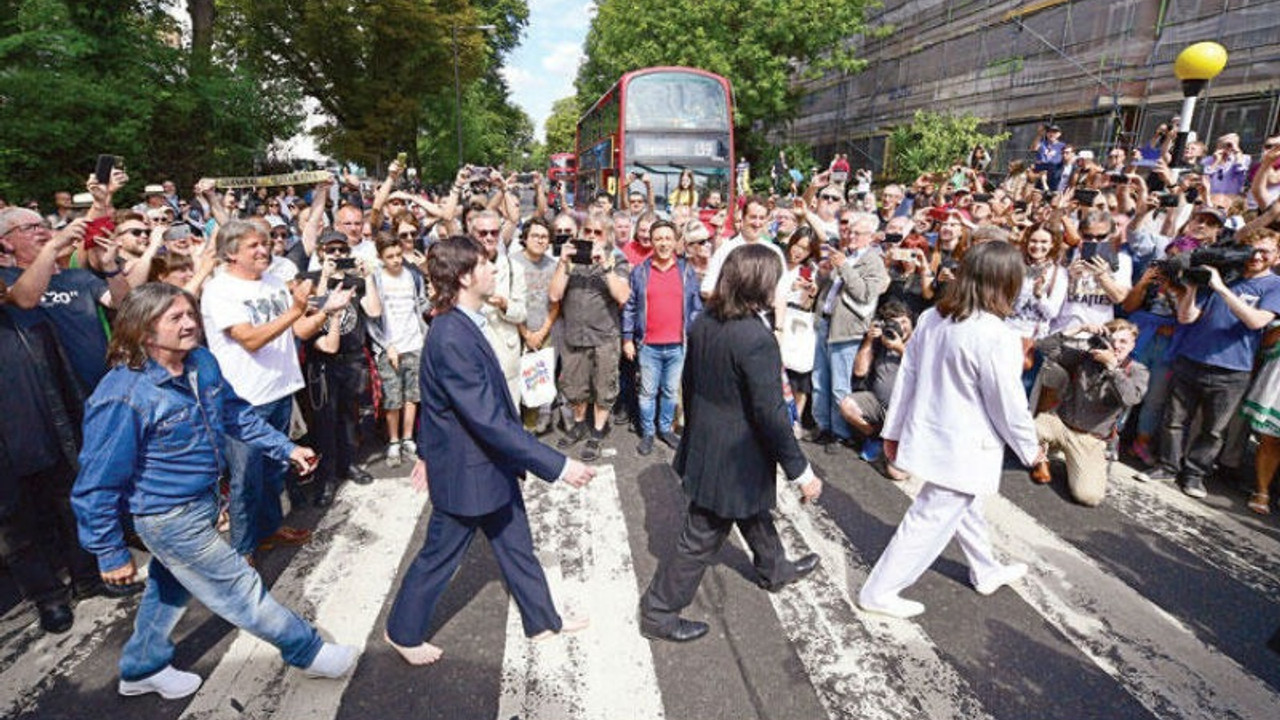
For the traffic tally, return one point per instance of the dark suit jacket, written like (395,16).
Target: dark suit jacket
(471,438)
(737,426)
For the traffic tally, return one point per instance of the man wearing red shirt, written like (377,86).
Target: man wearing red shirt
(663,303)
(641,246)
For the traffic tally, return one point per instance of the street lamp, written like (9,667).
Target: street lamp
(457,82)
(1194,66)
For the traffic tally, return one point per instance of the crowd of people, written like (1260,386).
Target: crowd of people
(1147,311)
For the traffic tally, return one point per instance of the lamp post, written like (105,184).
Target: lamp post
(1194,66)
(457,82)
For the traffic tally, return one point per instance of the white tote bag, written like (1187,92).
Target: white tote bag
(538,378)
(799,340)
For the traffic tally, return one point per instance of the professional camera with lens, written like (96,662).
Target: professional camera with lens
(1098,342)
(1229,259)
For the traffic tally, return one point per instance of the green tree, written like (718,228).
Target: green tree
(759,45)
(562,125)
(78,79)
(933,142)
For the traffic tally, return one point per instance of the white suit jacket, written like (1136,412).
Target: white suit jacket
(504,328)
(958,400)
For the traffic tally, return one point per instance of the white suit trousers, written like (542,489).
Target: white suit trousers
(936,515)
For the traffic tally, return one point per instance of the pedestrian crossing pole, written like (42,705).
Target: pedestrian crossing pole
(1195,67)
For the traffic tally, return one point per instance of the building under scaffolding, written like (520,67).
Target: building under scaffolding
(1102,69)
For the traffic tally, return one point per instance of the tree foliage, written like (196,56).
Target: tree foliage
(78,79)
(760,45)
(933,142)
(383,72)
(562,125)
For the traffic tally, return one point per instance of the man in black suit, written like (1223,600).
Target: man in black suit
(737,430)
(474,450)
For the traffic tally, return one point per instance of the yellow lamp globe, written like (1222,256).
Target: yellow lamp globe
(1202,61)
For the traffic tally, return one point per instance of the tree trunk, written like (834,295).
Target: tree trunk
(202,14)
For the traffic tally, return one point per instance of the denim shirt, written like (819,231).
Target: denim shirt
(151,443)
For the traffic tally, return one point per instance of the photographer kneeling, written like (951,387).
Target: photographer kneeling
(1102,381)
(875,368)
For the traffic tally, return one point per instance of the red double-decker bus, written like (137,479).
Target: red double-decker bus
(659,121)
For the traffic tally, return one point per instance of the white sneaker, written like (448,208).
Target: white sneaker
(410,449)
(169,683)
(895,606)
(333,661)
(393,454)
(1005,575)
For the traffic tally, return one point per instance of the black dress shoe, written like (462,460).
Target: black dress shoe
(358,475)
(324,498)
(803,566)
(684,631)
(55,617)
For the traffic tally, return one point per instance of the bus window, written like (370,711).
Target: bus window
(660,101)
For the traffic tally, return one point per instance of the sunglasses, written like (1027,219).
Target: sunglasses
(487,233)
(830,198)
(405,235)
(1094,238)
(136,232)
(282,234)
(593,231)
(337,251)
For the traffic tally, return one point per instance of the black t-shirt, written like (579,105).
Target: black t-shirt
(70,305)
(352,318)
(28,442)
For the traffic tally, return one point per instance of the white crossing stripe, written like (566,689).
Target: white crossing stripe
(339,581)
(861,666)
(605,672)
(1150,653)
(1246,556)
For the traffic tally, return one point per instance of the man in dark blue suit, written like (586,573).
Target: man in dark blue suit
(474,450)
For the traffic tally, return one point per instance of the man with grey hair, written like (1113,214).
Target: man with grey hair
(250,319)
(847,299)
(67,298)
(1100,272)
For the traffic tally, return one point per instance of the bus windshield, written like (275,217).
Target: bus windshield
(668,100)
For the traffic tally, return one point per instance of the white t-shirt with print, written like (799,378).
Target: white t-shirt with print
(271,372)
(399,311)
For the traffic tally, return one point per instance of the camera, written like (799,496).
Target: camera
(524,178)
(888,329)
(1098,342)
(581,252)
(1228,258)
(344,263)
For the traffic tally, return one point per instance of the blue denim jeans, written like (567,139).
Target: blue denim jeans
(256,483)
(832,380)
(660,368)
(189,559)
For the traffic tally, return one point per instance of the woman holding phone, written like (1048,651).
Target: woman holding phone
(963,361)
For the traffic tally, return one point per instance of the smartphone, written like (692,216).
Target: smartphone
(345,263)
(1020,205)
(525,178)
(315,302)
(402,158)
(107,163)
(100,227)
(1168,200)
(892,238)
(901,255)
(806,272)
(1118,178)
(1085,196)
(982,197)
(558,241)
(1088,250)
(581,252)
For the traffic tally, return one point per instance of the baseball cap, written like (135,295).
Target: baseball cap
(1212,212)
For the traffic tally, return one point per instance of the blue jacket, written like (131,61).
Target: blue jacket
(151,443)
(634,319)
(471,438)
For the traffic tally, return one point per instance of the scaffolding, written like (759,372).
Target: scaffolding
(1101,69)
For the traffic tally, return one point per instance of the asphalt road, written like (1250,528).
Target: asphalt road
(1152,605)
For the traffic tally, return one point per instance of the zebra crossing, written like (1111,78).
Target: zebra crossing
(1082,625)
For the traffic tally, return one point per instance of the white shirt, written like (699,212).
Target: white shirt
(399,311)
(717,261)
(1086,301)
(271,372)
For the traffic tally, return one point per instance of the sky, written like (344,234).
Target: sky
(542,68)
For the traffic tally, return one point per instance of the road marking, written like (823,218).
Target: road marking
(339,581)
(605,672)
(1150,653)
(34,660)
(861,666)
(1247,556)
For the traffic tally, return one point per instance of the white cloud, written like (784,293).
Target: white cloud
(563,59)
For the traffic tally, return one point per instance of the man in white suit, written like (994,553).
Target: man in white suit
(963,363)
(505,309)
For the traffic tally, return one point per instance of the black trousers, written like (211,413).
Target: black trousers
(1197,388)
(38,535)
(334,384)
(677,580)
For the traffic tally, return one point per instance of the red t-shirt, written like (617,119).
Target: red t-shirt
(636,253)
(664,303)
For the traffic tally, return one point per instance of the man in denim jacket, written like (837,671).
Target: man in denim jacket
(154,438)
